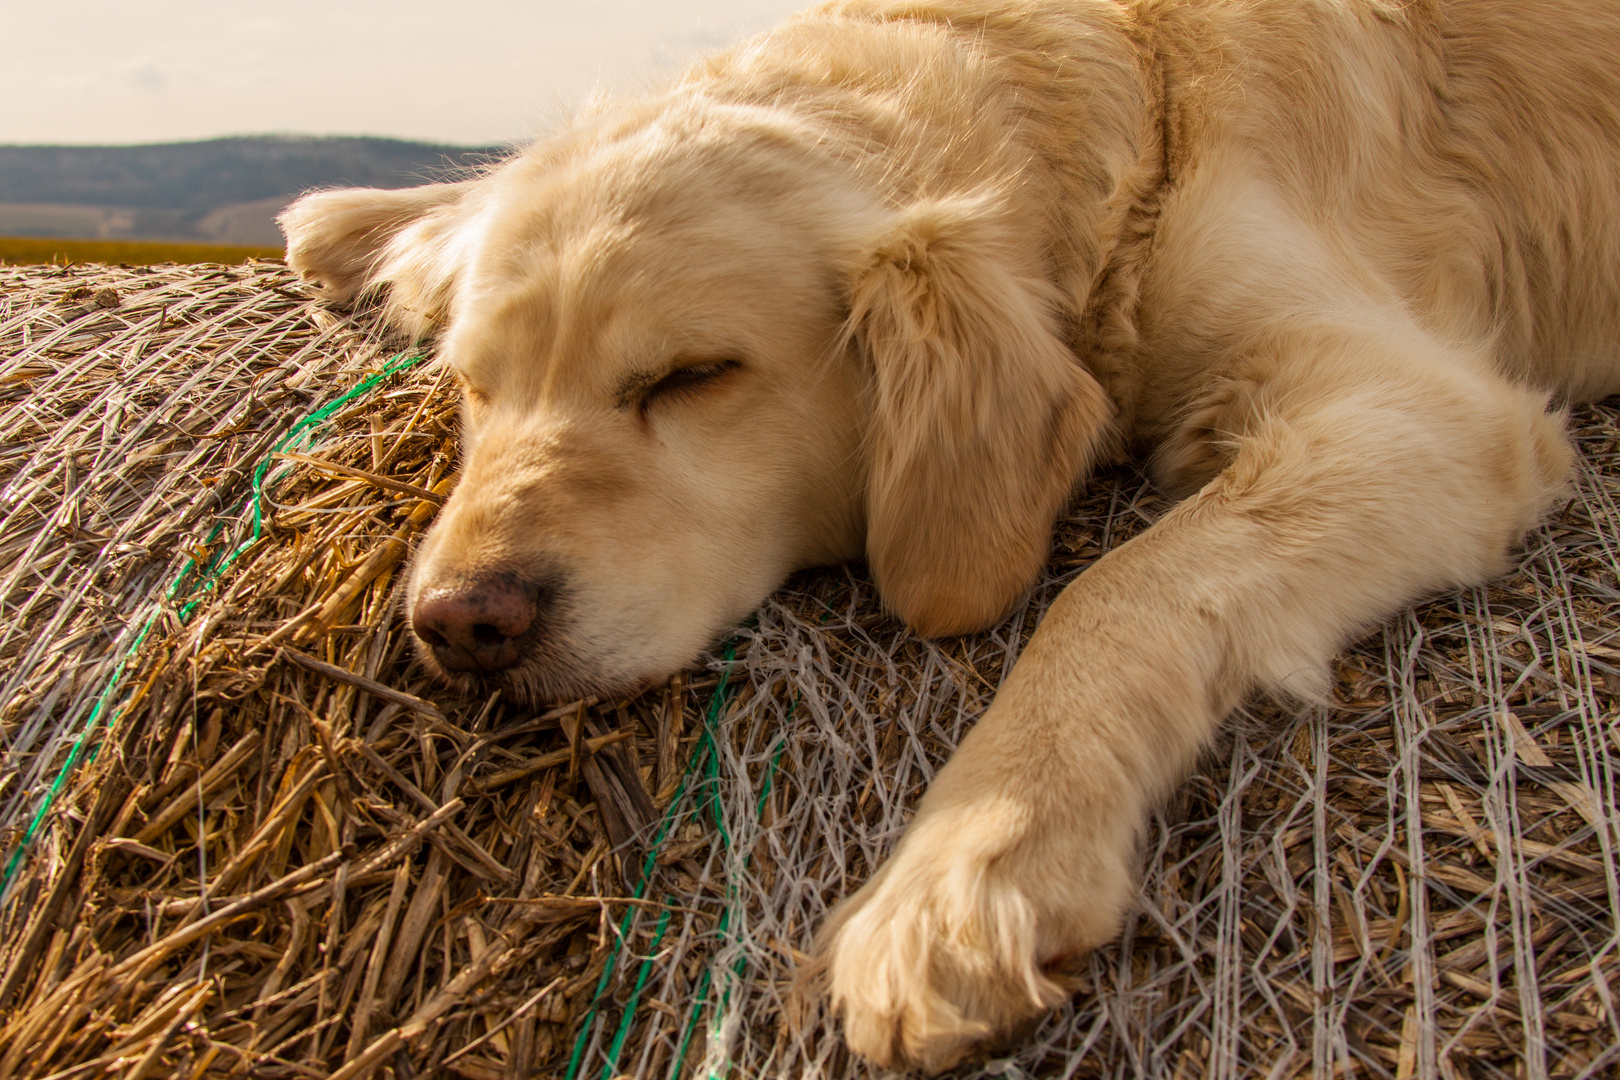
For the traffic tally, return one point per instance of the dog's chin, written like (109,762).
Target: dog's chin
(536,681)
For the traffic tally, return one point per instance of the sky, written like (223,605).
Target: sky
(470,72)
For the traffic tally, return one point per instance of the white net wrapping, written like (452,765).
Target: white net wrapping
(1409,884)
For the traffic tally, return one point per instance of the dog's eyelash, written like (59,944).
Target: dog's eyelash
(683,379)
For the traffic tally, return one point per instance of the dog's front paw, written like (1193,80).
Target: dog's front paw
(948,948)
(925,972)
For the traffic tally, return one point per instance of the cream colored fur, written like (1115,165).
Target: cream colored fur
(1332,264)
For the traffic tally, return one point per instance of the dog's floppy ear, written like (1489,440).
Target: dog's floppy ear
(982,419)
(360,240)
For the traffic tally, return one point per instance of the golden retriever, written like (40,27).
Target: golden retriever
(889,280)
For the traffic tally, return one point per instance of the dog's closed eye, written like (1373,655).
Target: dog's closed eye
(683,381)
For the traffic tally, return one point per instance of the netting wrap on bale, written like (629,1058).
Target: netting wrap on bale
(247,835)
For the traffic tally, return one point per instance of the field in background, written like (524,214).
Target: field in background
(16,250)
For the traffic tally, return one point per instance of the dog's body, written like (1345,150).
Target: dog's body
(893,278)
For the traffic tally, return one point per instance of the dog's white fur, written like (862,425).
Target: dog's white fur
(1332,262)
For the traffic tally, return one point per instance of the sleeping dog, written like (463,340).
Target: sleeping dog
(890,280)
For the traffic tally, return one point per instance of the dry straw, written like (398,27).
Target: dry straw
(281,850)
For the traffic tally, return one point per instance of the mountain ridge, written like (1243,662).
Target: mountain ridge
(224,190)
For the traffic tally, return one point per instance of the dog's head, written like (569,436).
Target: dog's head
(699,352)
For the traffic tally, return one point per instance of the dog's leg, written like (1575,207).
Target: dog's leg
(1412,476)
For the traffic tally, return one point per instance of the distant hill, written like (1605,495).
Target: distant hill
(220,191)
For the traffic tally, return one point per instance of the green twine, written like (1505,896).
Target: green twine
(209,575)
(708,755)
(705,752)
(725,917)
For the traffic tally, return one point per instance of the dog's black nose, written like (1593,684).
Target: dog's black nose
(477,625)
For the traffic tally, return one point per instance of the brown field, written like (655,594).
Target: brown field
(17,250)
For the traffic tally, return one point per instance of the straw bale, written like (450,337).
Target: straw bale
(292,854)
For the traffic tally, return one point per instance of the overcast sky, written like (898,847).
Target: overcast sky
(459,71)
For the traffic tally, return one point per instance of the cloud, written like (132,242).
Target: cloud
(145,76)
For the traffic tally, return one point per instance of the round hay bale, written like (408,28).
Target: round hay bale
(267,844)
